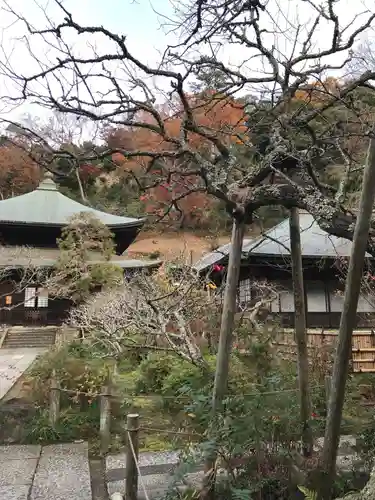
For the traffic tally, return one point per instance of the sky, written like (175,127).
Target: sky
(141,22)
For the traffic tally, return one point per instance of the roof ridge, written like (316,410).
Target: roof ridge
(47,183)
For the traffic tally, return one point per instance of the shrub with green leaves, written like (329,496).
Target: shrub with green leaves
(152,371)
(72,424)
(76,370)
(77,273)
(256,432)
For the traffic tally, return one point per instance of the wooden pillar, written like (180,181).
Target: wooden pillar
(131,471)
(105,419)
(54,400)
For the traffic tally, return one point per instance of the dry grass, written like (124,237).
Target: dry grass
(174,245)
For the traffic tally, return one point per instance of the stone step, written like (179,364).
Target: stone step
(27,337)
(18,338)
(62,473)
(27,341)
(33,334)
(32,345)
(36,332)
(54,472)
(31,341)
(10,343)
(18,465)
(30,337)
(33,329)
(156,469)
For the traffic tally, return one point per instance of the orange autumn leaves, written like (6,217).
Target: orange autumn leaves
(18,173)
(318,92)
(214,115)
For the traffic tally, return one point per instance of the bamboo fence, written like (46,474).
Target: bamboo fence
(324,342)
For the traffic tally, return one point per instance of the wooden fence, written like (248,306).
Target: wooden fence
(131,429)
(323,342)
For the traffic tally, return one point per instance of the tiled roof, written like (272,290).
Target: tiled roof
(276,242)
(47,206)
(22,257)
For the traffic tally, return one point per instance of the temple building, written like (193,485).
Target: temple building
(30,225)
(325,258)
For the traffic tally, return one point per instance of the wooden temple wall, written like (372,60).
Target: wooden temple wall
(321,344)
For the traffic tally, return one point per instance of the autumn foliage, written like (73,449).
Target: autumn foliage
(18,173)
(318,92)
(213,114)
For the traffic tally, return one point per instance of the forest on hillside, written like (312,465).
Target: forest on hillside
(136,187)
(250,110)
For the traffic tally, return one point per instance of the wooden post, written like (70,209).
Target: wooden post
(83,402)
(105,419)
(131,471)
(54,400)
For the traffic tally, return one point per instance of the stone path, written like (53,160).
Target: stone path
(54,472)
(157,469)
(62,472)
(13,363)
(347,455)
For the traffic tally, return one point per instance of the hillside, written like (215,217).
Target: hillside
(176,244)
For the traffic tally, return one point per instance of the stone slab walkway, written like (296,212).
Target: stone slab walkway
(13,363)
(62,471)
(156,469)
(54,472)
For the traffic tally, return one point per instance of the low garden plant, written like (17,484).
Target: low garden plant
(256,433)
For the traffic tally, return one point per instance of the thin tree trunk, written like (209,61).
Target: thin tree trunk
(81,190)
(300,332)
(347,324)
(227,318)
(225,340)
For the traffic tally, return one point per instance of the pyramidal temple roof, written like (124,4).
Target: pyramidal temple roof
(315,243)
(47,206)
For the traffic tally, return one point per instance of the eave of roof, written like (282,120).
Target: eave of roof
(138,223)
(25,257)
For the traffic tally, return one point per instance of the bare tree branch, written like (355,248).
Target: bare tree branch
(280,58)
(150,312)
